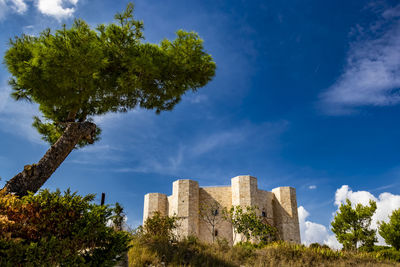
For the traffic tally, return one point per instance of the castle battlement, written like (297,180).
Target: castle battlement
(279,207)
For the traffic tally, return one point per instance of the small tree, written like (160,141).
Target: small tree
(352,225)
(77,73)
(210,214)
(119,217)
(160,228)
(249,224)
(391,231)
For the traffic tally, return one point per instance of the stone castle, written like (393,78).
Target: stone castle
(279,207)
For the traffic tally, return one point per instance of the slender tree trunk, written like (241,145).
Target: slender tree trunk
(35,175)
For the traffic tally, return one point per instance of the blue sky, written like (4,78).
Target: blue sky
(306,94)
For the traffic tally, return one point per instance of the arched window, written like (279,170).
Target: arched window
(263,214)
(216,232)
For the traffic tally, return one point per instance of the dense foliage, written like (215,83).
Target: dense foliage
(78,72)
(55,229)
(352,225)
(251,226)
(160,228)
(391,231)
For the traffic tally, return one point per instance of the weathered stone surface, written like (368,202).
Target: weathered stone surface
(279,207)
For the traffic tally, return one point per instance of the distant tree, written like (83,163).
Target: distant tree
(352,225)
(210,214)
(247,222)
(118,217)
(77,73)
(391,231)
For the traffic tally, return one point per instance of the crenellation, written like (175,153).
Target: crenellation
(279,207)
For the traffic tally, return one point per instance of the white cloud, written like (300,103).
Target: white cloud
(216,140)
(16,117)
(17,6)
(386,203)
(344,192)
(57,8)
(371,76)
(311,187)
(313,232)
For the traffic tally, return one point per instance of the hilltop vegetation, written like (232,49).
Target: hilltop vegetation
(192,252)
(65,229)
(156,244)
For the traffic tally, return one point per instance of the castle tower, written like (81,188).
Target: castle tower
(244,190)
(155,202)
(285,213)
(185,205)
(244,193)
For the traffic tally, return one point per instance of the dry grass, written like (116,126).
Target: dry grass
(191,252)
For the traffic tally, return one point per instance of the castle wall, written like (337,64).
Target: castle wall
(212,197)
(264,201)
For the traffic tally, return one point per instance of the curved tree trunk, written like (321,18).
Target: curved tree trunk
(35,175)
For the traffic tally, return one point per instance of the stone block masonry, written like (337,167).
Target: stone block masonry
(279,207)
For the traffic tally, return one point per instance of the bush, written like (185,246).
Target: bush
(251,226)
(387,254)
(318,246)
(50,229)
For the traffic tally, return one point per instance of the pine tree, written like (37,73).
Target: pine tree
(391,231)
(76,73)
(351,225)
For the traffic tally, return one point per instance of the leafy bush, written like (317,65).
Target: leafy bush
(318,246)
(388,254)
(55,229)
(251,226)
(161,228)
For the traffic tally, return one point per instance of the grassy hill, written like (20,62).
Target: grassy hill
(192,252)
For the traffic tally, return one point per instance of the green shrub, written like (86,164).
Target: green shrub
(54,229)
(250,225)
(388,254)
(318,246)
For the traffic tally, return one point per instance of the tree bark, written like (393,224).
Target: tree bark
(35,175)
